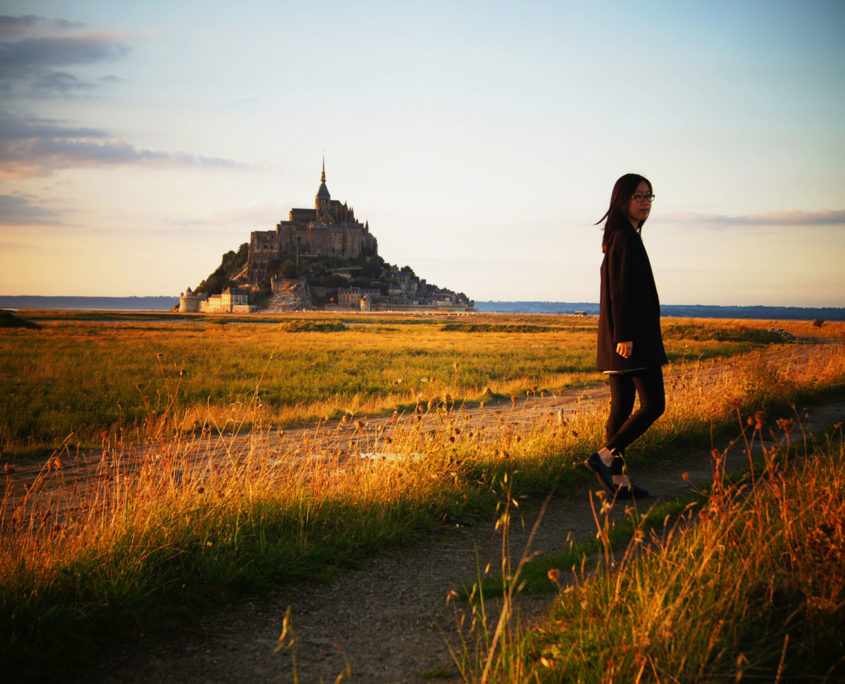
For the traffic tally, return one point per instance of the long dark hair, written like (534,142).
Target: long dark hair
(617,212)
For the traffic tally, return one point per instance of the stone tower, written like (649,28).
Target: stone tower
(322,201)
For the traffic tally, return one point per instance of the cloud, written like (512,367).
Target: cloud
(20,210)
(788,217)
(265,214)
(36,57)
(60,82)
(35,53)
(29,24)
(16,127)
(31,147)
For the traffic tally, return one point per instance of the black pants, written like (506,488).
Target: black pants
(623,427)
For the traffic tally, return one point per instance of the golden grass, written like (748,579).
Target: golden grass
(141,487)
(76,379)
(160,521)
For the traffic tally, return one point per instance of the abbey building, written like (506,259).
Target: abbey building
(321,258)
(330,229)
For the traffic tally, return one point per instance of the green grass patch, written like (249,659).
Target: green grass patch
(490,327)
(314,326)
(738,333)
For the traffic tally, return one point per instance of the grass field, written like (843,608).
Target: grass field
(78,378)
(190,524)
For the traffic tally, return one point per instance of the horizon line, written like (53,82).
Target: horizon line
(477,301)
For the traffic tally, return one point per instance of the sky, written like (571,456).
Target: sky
(480,140)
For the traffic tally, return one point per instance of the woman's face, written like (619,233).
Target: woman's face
(638,210)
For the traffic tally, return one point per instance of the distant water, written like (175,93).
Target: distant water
(675,310)
(89,303)
(682,311)
(538,307)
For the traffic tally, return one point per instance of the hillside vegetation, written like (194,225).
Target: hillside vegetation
(224,275)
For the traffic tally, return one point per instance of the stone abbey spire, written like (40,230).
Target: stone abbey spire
(322,201)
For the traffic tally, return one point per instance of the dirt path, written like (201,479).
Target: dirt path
(383,621)
(80,473)
(347,438)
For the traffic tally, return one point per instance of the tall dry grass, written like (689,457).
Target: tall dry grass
(747,587)
(168,526)
(751,586)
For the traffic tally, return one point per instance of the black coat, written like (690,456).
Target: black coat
(629,309)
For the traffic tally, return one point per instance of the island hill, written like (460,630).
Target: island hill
(320,258)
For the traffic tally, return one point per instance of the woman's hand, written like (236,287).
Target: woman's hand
(625,349)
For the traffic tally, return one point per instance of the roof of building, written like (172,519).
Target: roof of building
(323,191)
(302,214)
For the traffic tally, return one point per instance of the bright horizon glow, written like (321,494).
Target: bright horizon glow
(141,141)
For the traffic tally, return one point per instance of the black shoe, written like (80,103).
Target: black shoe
(603,473)
(630,490)
(617,465)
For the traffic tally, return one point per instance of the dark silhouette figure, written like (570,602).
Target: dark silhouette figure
(630,344)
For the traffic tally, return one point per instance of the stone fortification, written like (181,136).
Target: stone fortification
(189,302)
(231,300)
(330,229)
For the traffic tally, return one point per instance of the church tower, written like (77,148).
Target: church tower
(322,202)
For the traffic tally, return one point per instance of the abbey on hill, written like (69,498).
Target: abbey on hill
(327,230)
(320,258)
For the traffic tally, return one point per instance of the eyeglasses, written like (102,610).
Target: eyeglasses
(643,198)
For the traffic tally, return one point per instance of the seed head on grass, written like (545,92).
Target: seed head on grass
(785,424)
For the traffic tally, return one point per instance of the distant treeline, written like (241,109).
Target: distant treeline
(827,313)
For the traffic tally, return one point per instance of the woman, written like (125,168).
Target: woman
(630,345)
